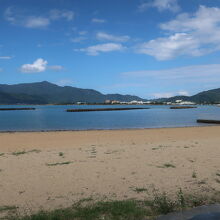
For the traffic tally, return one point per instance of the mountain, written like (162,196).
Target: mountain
(49,93)
(209,97)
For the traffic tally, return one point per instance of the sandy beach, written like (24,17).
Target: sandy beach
(54,169)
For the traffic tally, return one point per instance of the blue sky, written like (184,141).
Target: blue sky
(150,48)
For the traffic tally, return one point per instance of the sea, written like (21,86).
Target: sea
(55,117)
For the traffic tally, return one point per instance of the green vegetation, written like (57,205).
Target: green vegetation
(194,174)
(159,147)
(88,209)
(7,208)
(139,190)
(202,182)
(217,180)
(61,154)
(18,153)
(57,164)
(167,165)
(48,93)
(2,154)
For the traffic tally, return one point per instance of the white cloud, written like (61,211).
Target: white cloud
(183,93)
(161,5)
(193,35)
(199,73)
(169,47)
(163,95)
(102,48)
(19,17)
(36,22)
(37,66)
(97,20)
(56,14)
(170,94)
(5,57)
(104,36)
(14,16)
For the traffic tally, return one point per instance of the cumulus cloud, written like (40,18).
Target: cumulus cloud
(37,66)
(98,20)
(102,48)
(104,36)
(161,5)
(18,17)
(169,47)
(187,35)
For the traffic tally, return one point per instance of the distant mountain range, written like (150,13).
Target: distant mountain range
(206,97)
(48,93)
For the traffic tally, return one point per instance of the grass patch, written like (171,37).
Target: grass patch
(88,209)
(167,165)
(159,147)
(7,208)
(112,210)
(18,153)
(61,154)
(194,174)
(2,154)
(139,190)
(202,182)
(217,174)
(58,164)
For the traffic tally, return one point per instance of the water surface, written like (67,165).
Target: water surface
(56,118)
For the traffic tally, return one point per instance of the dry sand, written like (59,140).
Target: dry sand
(105,163)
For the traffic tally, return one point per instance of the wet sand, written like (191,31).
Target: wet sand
(54,169)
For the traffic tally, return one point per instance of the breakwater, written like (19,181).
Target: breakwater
(16,109)
(208,121)
(182,107)
(102,109)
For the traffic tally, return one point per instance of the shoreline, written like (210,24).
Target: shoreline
(107,129)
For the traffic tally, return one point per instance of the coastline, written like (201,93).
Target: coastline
(106,129)
(53,169)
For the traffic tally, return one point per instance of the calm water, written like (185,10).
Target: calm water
(55,118)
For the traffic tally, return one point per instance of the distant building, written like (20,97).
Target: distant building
(108,102)
(115,102)
(187,103)
(178,101)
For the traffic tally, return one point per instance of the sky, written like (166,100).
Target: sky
(149,48)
